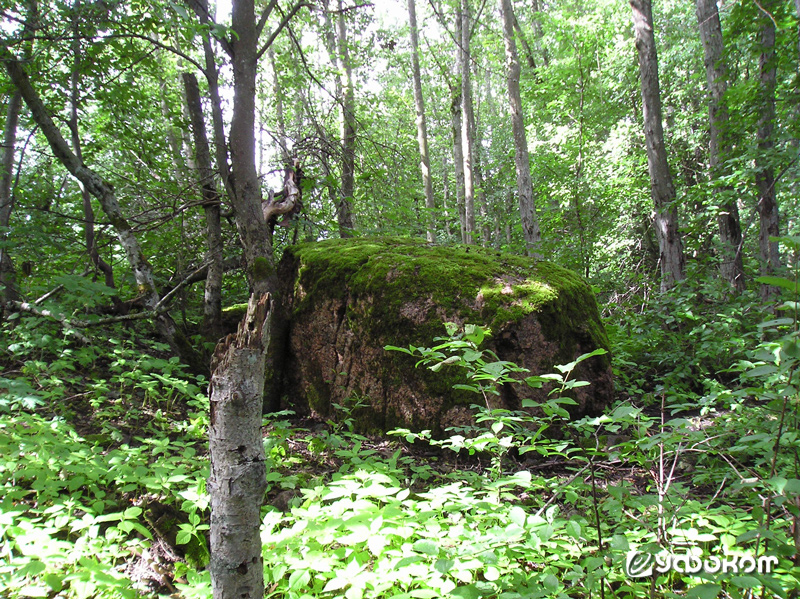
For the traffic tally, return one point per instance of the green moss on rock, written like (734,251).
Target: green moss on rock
(349,297)
(472,283)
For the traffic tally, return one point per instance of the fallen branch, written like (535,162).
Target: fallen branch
(68,325)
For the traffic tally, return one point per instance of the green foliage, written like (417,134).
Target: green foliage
(366,518)
(80,493)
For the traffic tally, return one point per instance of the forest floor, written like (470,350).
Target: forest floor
(104,466)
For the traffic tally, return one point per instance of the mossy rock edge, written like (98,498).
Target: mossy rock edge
(347,299)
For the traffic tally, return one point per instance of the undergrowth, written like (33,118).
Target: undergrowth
(103,466)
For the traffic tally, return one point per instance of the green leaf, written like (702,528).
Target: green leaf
(518,516)
(779,282)
(791,348)
(183,537)
(427,547)
(619,543)
(573,529)
(746,582)
(466,592)
(550,582)
(335,584)
(765,370)
(400,349)
(299,579)
(704,591)
(443,566)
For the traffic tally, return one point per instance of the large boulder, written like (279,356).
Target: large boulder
(347,299)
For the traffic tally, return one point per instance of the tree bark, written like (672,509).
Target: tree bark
(527,206)
(277,92)
(345,213)
(467,122)
(765,174)
(238,481)
(538,33)
(212,299)
(456,117)
(238,473)
(211,72)
(524,41)
(8,275)
(477,167)
(88,210)
(9,291)
(730,232)
(422,129)
(661,186)
(104,192)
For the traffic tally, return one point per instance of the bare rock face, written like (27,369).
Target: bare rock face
(347,299)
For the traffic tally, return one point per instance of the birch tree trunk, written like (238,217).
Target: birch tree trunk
(467,121)
(661,186)
(527,207)
(458,162)
(765,174)
(422,129)
(730,232)
(212,299)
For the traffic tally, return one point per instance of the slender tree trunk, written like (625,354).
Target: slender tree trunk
(348,128)
(456,117)
(211,72)
(237,481)
(277,93)
(447,211)
(212,300)
(730,231)
(9,291)
(104,192)
(422,129)
(467,122)
(524,41)
(458,160)
(527,206)
(538,33)
(765,174)
(480,188)
(8,275)
(238,474)
(88,210)
(661,186)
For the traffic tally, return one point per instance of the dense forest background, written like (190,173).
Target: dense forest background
(137,201)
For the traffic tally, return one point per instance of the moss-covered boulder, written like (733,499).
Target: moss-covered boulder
(347,299)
